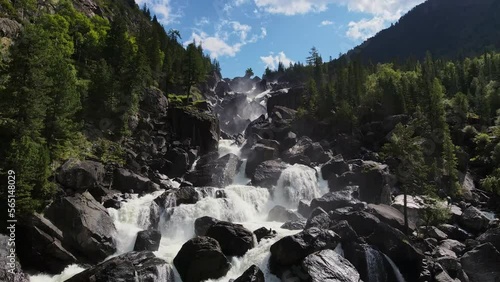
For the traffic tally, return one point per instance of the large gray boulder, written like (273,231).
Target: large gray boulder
(291,250)
(80,175)
(215,172)
(252,274)
(491,236)
(391,216)
(268,173)
(133,266)
(335,200)
(373,179)
(202,224)
(336,166)
(85,224)
(154,102)
(259,154)
(282,214)
(201,259)
(482,264)
(147,240)
(328,266)
(473,220)
(177,162)
(126,181)
(234,239)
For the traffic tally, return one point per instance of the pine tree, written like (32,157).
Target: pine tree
(194,71)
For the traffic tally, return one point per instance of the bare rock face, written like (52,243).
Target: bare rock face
(85,224)
(481,263)
(234,239)
(328,266)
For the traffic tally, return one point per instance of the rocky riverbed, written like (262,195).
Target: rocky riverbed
(242,188)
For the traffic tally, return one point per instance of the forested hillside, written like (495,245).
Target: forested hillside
(450,111)
(447,28)
(72,76)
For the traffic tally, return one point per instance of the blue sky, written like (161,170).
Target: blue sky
(261,33)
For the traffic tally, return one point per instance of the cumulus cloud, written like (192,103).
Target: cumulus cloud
(162,9)
(272,60)
(292,7)
(364,28)
(325,23)
(203,21)
(228,39)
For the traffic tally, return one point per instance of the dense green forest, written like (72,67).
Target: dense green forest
(67,72)
(454,110)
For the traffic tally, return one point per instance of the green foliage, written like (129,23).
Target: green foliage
(249,73)
(435,213)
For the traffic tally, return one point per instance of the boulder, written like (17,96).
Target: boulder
(282,214)
(319,218)
(147,240)
(85,224)
(177,162)
(345,231)
(258,155)
(177,197)
(267,173)
(452,245)
(80,175)
(215,173)
(201,128)
(46,251)
(373,180)
(291,250)
(264,233)
(154,102)
(336,165)
(133,266)
(304,209)
(202,224)
(491,236)
(328,266)
(154,215)
(397,246)
(252,274)
(126,181)
(335,200)
(474,220)
(201,259)
(234,239)
(391,216)
(454,232)
(222,89)
(434,232)
(294,225)
(482,263)
(362,222)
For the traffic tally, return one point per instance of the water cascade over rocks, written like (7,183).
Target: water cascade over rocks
(236,211)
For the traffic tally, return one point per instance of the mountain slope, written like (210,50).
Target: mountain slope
(446,28)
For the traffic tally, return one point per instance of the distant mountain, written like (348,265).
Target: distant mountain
(446,28)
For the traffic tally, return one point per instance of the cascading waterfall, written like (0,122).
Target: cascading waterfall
(375,265)
(297,182)
(395,269)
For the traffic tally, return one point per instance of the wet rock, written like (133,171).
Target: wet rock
(264,233)
(258,155)
(216,173)
(234,239)
(397,246)
(294,225)
(252,274)
(222,89)
(133,266)
(282,214)
(319,218)
(362,222)
(345,231)
(267,173)
(86,225)
(201,259)
(112,203)
(304,209)
(202,224)
(126,181)
(328,266)
(177,197)
(474,220)
(491,236)
(177,162)
(336,165)
(291,250)
(481,263)
(154,216)
(147,240)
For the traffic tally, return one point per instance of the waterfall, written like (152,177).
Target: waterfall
(395,269)
(339,250)
(375,267)
(297,182)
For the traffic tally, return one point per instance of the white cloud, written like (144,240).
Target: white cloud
(364,28)
(292,7)
(228,39)
(325,23)
(203,21)
(272,60)
(162,9)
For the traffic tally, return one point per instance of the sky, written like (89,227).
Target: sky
(257,34)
